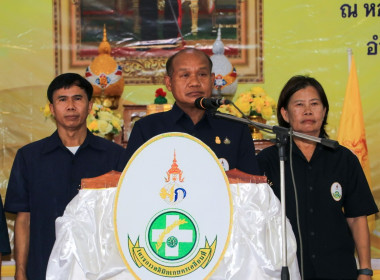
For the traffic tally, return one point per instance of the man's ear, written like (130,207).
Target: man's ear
(168,82)
(51,107)
(90,103)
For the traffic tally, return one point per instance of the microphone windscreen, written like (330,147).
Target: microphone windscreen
(198,103)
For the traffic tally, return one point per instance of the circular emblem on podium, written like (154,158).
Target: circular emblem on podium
(176,243)
(173,210)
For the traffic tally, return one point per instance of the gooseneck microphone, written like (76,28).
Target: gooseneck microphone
(210,103)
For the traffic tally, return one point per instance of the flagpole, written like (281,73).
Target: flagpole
(349,54)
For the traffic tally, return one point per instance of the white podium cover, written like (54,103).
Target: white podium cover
(86,248)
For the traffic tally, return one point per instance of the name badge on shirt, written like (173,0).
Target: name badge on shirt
(225,164)
(336,191)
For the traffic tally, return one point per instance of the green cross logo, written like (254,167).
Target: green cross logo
(172,235)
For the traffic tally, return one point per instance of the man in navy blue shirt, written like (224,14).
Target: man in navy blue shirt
(188,78)
(46,174)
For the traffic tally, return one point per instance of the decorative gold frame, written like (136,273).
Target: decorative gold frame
(72,56)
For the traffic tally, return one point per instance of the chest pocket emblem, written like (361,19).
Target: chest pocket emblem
(225,164)
(336,191)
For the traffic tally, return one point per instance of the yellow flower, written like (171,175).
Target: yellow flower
(107,103)
(273,102)
(46,111)
(258,91)
(245,97)
(244,106)
(267,112)
(257,105)
(105,115)
(254,102)
(107,121)
(116,123)
(224,109)
(93,126)
(96,108)
(235,112)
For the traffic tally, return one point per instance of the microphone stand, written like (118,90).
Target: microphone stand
(282,135)
(277,129)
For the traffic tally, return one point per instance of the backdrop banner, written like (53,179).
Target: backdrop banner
(293,37)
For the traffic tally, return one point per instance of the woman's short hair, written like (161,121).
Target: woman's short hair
(294,84)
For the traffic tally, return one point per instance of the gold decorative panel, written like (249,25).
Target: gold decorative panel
(142,50)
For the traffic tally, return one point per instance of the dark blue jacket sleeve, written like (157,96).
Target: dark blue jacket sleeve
(5,248)
(17,197)
(247,160)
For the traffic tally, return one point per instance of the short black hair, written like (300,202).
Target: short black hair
(68,80)
(294,84)
(169,62)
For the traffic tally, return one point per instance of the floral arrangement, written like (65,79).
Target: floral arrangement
(160,97)
(101,121)
(252,103)
(46,111)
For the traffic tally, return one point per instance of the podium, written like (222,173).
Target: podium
(86,248)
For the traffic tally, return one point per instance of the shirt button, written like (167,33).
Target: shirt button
(313,256)
(311,210)
(309,167)
(312,233)
(311,188)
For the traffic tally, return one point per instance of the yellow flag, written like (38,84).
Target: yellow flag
(351,133)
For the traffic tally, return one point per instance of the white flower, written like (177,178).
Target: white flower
(104,115)
(104,127)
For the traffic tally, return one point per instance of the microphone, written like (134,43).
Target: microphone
(210,103)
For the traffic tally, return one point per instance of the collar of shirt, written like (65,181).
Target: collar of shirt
(179,117)
(54,142)
(297,151)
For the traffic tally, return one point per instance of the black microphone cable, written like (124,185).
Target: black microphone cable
(247,118)
(295,199)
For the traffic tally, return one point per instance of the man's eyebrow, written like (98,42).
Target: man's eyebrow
(67,96)
(187,69)
(61,95)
